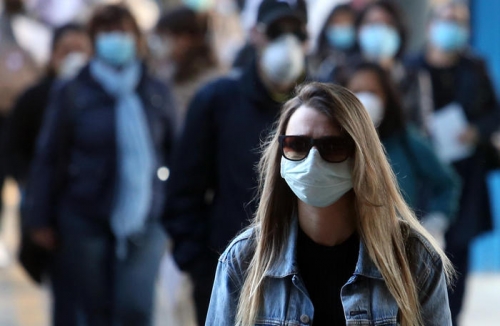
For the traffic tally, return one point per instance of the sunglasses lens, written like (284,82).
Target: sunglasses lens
(295,148)
(331,149)
(334,149)
(276,30)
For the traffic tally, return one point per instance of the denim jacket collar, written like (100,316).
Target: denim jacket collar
(288,264)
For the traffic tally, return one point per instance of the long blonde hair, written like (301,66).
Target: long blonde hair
(379,204)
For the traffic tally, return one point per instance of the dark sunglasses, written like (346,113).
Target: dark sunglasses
(274,31)
(333,149)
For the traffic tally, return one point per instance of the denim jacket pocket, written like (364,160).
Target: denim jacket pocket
(361,318)
(276,322)
(268,322)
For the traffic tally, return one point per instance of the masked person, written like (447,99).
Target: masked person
(462,92)
(182,55)
(212,177)
(17,72)
(336,42)
(412,158)
(382,38)
(332,241)
(70,50)
(94,197)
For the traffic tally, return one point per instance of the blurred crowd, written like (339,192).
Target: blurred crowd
(133,129)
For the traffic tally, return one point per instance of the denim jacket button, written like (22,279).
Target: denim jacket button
(305,319)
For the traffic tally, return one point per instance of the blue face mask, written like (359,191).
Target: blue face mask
(115,48)
(341,36)
(449,36)
(379,41)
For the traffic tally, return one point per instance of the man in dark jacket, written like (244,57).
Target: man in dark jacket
(212,181)
(460,82)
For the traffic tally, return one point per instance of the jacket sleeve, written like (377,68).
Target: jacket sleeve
(170,127)
(434,300)
(15,152)
(192,175)
(441,181)
(225,296)
(428,271)
(487,116)
(43,181)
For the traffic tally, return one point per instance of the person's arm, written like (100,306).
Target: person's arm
(434,302)
(440,179)
(487,119)
(192,174)
(225,296)
(170,126)
(432,287)
(41,190)
(229,278)
(15,142)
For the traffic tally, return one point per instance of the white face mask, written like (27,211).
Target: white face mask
(283,60)
(372,104)
(71,65)
(315,181)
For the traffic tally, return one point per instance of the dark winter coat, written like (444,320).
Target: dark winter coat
(75,166)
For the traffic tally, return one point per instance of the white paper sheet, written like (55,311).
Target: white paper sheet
(446,125)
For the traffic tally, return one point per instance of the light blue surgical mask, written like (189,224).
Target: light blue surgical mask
(449,36)
(379,41)
(341,36)
(315,181)
(115,48)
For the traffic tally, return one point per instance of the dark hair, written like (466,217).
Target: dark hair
(323,45)
(396,13)
(59,32)
(393,120)
(108,16)
(12,7)
(182,21)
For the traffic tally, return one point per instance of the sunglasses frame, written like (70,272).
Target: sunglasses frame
(318,142)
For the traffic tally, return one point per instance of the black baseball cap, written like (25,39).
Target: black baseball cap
(272,10)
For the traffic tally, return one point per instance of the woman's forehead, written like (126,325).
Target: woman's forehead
(310,121)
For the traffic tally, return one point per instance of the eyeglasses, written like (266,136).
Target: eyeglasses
(333,149)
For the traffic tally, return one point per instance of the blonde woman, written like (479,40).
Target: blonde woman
(332,242)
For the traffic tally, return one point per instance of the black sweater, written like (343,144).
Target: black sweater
(324,271)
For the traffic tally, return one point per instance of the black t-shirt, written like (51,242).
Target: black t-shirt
(324,271)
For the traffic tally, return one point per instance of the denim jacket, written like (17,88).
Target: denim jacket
(365,297)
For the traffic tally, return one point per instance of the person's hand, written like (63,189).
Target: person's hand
(436,224)
(45,238)
(470,136)
(495,140)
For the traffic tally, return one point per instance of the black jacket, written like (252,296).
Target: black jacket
(213,172)
(76,160)
(22,128)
